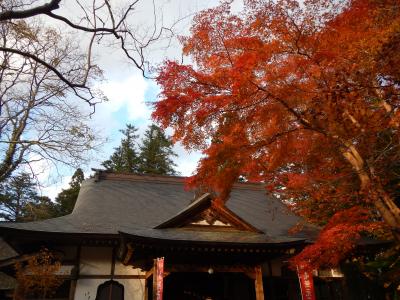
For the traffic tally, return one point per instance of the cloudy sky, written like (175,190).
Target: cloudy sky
(128,91)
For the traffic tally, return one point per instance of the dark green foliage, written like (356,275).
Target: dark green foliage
(15,193)
(66,198)
(153,156)
(125,158)
(20,201)
(41,209)
(384,268)
(360,285)
(156,152)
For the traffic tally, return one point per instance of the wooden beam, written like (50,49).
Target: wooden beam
(216,268)
(146,289)
(14,260)
(128,255)
(72,289)
(113,254)
(233,218)
(75,274)
(158,278)
(155,281)
(251,275)
(259,284)
(112,277)
(149,273)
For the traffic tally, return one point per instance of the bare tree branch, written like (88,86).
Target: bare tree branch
(23,14)
(38,122)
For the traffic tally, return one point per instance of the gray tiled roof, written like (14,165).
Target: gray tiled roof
(7,282)
(136,204)
(6,251)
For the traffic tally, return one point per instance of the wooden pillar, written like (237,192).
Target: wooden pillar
(146,289)
(112,271)
(158,278)
(149,274)
(259,284)
(155,280)
(72,289)
(74,280)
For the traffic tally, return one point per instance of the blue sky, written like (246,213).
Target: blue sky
(126,103)
(128,91)
(130,106)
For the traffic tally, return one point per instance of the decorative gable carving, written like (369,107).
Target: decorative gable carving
(209,217)
(205,214)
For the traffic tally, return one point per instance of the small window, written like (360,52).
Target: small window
(110,290)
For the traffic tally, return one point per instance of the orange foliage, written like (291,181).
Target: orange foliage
(302,97)
(38,276)
(338,238)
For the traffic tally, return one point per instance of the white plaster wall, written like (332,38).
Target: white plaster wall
(86,289)
(134,288)
(95,261)
(121,269)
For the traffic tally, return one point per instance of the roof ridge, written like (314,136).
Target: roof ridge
(109,175)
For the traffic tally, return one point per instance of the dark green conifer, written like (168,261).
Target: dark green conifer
(40,209)
(20,201)
(66,199)
(156,153)
(125,157)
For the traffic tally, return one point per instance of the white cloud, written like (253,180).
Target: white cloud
(126,104)
(50,180)
(128,94)
(186,162)
(126,89)
(53,190)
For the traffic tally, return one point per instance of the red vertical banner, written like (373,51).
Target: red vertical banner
(306,283)
(159,277)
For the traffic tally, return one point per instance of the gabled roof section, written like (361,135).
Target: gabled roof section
(111,203)
(6,251)
(204,213)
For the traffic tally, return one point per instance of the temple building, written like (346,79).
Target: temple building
(137,237)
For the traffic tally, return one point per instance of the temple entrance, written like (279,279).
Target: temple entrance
(205,286)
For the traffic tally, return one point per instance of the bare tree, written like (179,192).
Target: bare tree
(47,68)
(39,119)
(105,22)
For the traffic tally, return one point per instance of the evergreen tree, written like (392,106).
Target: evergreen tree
(20,201)
(125,157)
(66,199)
(156,153)
(40,209)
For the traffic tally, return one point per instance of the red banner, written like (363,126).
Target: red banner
(306,283)
(159,277)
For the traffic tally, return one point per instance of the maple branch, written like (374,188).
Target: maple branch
(276,136)
(297,115)
(226,49)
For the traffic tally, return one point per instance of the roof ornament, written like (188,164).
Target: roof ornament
(97,174)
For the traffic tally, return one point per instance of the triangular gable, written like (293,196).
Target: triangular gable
(203,213)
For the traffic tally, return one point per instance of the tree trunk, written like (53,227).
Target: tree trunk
(382,200)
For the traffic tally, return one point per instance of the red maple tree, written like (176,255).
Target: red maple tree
(303,97)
